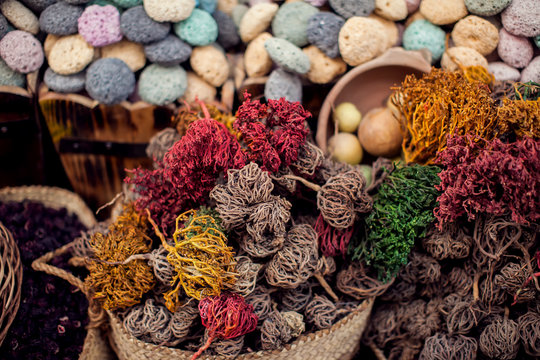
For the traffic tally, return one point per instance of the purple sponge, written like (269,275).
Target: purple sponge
(21,51)
(100,25)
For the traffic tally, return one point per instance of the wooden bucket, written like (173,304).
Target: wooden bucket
(96,143)
(20,135)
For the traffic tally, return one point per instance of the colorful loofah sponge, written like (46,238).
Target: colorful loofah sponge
(137,26)
(109,81)
(39,5)
(323,32)
(423,34)
(100,25)
(70,54)
(162,85)
(287,55)
(169,51)
(199,29)
(129,52)
(283,84)
(21,51)
(9,77)
(348,8)
(227,32)
(60,19)
(169,10)
(20,16)
(291,22)
(64,83)
(4,26)
(127,3)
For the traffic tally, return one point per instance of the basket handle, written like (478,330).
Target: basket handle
(96,313)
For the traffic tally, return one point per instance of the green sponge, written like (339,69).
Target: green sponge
(199,29)
(291,22)
(422,34)
(160,85)
(9,77)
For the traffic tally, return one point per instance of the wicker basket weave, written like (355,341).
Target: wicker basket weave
(11,275)
(95,348)
(340,342)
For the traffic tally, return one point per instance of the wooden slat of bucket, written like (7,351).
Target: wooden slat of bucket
(20,137)
(98,177)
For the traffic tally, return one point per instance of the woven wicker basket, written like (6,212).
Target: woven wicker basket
(340,342)
(95,348)
(11,275)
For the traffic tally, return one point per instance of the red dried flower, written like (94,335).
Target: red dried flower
(158,194)
(195,161)
(189,171)
(225,316)
(332,241)
(489,177)
(272,133)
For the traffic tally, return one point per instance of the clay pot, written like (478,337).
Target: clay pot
(369,85)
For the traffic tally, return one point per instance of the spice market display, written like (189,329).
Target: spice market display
(414,235)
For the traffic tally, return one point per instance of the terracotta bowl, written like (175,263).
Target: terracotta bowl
(369,85)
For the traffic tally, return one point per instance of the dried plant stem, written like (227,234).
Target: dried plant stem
(128,260)
(307,183)
(202,349)
(326,286)
(379,354)
(110,202)
(476,290)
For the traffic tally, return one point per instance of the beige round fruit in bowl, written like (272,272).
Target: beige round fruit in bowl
(345,147)
(347,117)
(379,133)
(368,86)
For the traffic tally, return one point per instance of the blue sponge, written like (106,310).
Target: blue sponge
(169,51)
(283,84)
(137,26)
(60,19)
(109,81)
(64,83)
(38,5)
(323,32)
(227,32)
(350,8)
(207,5)
(127,3)
(4,26)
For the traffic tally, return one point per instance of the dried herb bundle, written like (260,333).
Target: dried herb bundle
(402,212)
(273,132)
(442,103)
(120,285)
(203,262)
(489,177)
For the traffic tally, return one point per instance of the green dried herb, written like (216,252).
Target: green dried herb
(402,211)
(203,211)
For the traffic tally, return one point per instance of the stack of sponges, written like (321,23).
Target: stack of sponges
(294,42)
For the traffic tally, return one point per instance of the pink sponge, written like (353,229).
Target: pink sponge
(21,51)
(100,25)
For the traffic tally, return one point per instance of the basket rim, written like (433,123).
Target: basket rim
(116,325)
(10,269)
(53,197)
